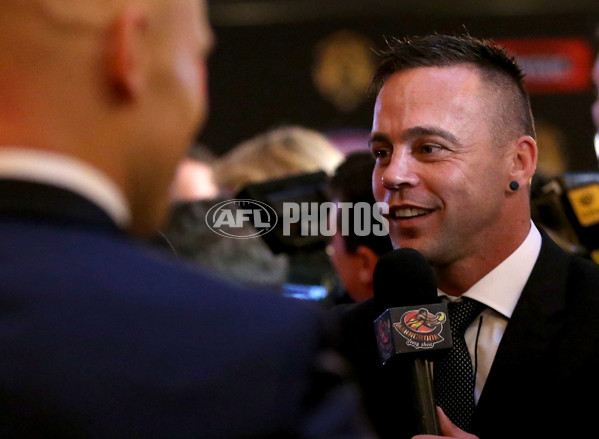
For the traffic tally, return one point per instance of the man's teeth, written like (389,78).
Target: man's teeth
(408,212)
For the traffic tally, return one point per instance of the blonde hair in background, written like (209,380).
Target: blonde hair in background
(277,153)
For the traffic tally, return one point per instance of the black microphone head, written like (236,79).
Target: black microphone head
(412,320)
(403,277)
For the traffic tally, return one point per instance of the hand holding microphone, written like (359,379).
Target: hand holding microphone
(448,429)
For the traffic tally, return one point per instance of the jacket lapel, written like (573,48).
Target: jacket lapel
(532,327)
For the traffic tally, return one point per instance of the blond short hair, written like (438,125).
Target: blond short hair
(278,153)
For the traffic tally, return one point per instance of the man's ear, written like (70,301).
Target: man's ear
(524,161)
(126,56)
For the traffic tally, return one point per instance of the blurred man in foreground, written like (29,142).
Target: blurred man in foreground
(101,337)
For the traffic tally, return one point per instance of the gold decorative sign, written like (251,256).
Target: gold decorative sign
(585,203)
(343,68)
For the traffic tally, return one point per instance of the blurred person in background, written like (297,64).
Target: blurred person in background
(249,262)
(279,152)
(194,179)
(101,336)
(188,236)
(355,256)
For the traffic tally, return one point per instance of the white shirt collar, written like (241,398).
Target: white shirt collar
(67,173)
(501,288)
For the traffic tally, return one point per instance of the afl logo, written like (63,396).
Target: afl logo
(241,219)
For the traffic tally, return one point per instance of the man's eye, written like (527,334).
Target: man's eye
(380,153)
(430,148)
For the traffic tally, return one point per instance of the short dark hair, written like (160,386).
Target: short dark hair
(352,182)
(499,72)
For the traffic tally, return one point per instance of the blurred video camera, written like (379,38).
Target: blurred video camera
(568,208)
(293,199)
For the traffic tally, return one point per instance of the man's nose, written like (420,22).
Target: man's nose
(401,170)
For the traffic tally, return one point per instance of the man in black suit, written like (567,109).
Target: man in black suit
(102,337)
(453,138)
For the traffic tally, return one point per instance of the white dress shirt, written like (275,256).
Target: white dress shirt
(67,173)
(499,290)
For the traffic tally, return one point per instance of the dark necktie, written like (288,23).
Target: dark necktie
(453,376)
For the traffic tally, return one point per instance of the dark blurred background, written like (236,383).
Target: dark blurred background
(308,62)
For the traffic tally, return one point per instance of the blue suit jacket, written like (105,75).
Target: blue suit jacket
(100,337)
(544,378)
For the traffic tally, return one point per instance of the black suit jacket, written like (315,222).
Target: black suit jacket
(101,337)
(544,378)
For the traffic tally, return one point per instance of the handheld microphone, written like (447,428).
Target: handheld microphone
(414,324)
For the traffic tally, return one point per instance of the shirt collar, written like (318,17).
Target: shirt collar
(501,288)
(68,173)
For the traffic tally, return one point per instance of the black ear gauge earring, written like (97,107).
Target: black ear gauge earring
(514,185)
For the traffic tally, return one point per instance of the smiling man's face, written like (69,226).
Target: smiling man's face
(438,166)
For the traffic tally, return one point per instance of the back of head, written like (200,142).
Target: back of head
(48,48)
(352,183)
(280,152)
(116,84)
(511,116)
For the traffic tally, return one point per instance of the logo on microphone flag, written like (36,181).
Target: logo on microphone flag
(412,329)
(420,328)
